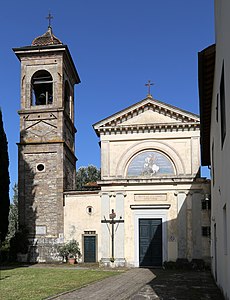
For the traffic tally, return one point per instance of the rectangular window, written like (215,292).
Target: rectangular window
(206,204)
(206,231)
(222,107)
(225,230)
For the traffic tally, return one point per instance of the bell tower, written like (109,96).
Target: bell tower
(46,159)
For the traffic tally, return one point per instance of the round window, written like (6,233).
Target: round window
(40,167)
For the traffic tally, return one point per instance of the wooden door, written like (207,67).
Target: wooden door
(89,248)
(150,242)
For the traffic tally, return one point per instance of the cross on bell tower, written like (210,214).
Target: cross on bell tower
(49,18)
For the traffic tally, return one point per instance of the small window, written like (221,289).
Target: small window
(42,88)
(89,210)
(222,107)
(40,167)
(206,204)
(206,231)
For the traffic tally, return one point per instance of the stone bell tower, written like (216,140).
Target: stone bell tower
(47,161)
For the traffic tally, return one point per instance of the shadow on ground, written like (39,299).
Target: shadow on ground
(180,284)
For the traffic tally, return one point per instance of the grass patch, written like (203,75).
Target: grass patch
(39,283)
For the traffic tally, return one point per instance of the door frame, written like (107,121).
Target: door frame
(150,214)
(83,246)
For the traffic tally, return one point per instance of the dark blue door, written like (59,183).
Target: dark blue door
(90,248)
(150,242)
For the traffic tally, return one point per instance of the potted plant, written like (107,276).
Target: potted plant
(70,251)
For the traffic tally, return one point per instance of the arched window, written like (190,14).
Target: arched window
(42,88)
(150,164)
(67,98)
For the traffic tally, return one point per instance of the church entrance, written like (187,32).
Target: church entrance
(90,248)
(150,242)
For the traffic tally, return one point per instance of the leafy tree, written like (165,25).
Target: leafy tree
(86,177)
(4,182)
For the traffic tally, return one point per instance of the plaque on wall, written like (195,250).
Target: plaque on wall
(149,164)
(150,197)
(40,230)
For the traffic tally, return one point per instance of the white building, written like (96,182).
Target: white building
(214,78)
(150,162)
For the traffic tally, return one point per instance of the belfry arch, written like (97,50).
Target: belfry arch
(42,88)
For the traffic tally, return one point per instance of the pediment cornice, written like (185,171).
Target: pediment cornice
(121,122)
(147,128)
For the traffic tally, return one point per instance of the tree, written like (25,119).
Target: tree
(86,177)
(13,215)
(4,182)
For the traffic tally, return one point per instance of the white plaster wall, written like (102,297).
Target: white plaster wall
(220,157)
(77,220)
(167,194)
(181,146)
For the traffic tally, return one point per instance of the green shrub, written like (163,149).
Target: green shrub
(70,249)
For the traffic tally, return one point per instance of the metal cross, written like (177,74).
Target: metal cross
(50,17)
(112,221)
(149,86)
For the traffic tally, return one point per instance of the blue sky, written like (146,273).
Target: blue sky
(117,46)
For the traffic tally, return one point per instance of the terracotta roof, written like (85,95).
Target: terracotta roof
(48,38)
(206,68)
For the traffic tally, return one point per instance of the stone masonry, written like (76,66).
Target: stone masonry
(46,149)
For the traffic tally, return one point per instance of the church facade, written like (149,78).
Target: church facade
(150,179)
(152,205)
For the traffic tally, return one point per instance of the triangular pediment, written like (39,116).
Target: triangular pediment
(148,112)
(149,117)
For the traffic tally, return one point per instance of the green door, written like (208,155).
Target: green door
(150,242)
(89,248)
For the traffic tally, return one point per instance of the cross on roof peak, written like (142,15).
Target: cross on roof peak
(49,17)
(149,84)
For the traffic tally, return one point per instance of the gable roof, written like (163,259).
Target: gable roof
(147,112)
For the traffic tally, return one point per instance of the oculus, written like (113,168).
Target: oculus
(40,167)
(89,210)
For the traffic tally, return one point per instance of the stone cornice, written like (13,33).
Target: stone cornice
(148,128)
(34,143)
(40,109)
(174,180)
(80,193)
